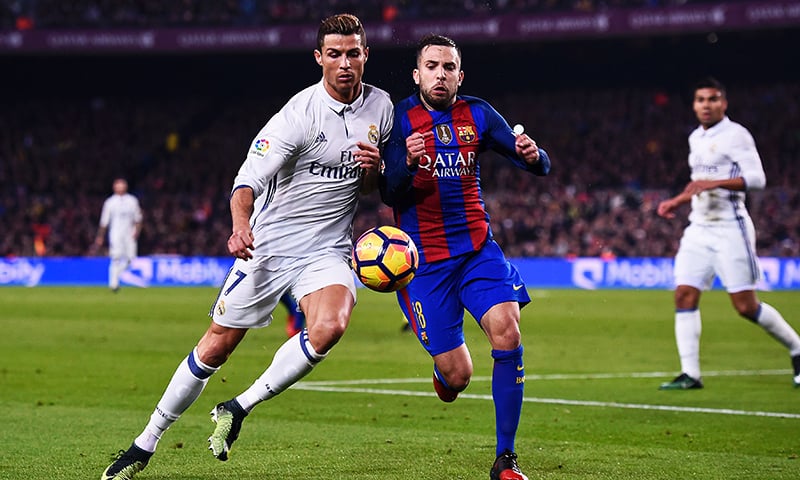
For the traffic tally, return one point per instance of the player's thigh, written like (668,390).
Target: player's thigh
(250,293)
(324,270)
(736,261)
(433,308)
(117,249)
(694,262)
(489,279)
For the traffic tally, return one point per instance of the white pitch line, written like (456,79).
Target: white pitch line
(346,387)
(555,376)
(553,401)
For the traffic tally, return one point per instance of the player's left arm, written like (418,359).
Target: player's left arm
(521,149)
(368,158)
(137,219)
(743,153)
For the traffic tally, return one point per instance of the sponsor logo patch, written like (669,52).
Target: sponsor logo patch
(443,133)
(260,147)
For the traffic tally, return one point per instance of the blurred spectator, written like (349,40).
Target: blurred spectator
(612,149)
(43,14)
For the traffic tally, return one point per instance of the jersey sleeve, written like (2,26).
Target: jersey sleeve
(105,214)
(396,179)
(743,153)
(501,139)
(137,213)
(279,140)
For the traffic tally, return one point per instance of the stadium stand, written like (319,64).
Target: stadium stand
(44,14)
(178,128)
(615,154)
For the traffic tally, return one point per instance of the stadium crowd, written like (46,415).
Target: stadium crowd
(616,153)
(40,14)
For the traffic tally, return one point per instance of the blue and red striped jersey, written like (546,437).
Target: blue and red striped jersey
(439,203)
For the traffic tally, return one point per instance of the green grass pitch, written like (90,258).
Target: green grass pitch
(81,370)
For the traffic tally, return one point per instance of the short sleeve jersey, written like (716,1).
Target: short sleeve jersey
(303,173)
(120,214)
(724,151)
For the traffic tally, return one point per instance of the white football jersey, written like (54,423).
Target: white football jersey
(726,150)
(303,174)
(120,215)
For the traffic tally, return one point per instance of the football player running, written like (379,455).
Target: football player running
(298,186)
(432,181)
(720,239)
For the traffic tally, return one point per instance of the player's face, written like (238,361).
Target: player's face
(709,106)
(342,58)
(120,187)
(438,75)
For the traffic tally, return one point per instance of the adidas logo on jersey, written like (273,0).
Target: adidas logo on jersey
(321,138)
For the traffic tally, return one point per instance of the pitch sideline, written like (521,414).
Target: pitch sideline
(347,386)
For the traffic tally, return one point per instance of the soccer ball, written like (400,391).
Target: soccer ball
(385,259)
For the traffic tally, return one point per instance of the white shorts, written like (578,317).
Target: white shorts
(728,251)
(253,288)
(122,248)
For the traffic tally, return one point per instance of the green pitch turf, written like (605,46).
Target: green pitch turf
(82,368)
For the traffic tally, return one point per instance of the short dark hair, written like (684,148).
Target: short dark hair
(433,39)
(710,82)
(341,24)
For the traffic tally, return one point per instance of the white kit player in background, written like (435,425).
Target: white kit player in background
(720,239)
(121,217)
(292,209)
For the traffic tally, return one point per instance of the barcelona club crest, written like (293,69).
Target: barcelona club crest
(373,135)
(466,133)
(443,133)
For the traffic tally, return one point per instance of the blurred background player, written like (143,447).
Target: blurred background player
(720,239)
(299,183)
(432,181)
(295,318)
(121,218)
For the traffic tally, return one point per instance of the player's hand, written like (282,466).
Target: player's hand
(368,157)
(240,243)
(415,147)
(667,208)
(526,148)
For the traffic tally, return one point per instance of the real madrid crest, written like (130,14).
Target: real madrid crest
(443,133)
(373,135)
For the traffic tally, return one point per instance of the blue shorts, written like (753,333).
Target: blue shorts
(434,301)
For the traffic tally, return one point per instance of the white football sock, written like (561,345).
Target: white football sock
(187,383)
(293,360)
(114,271)
(687,335)
(773,322)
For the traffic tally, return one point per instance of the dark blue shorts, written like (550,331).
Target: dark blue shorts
(434,301)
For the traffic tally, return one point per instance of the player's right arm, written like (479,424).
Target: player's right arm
(280,139)
(240,243)
(105,219)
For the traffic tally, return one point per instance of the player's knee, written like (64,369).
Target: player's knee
(507,337)
(213,356)
(746,304)
(746,310)
(458,379)
(325,333)
(686,298)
